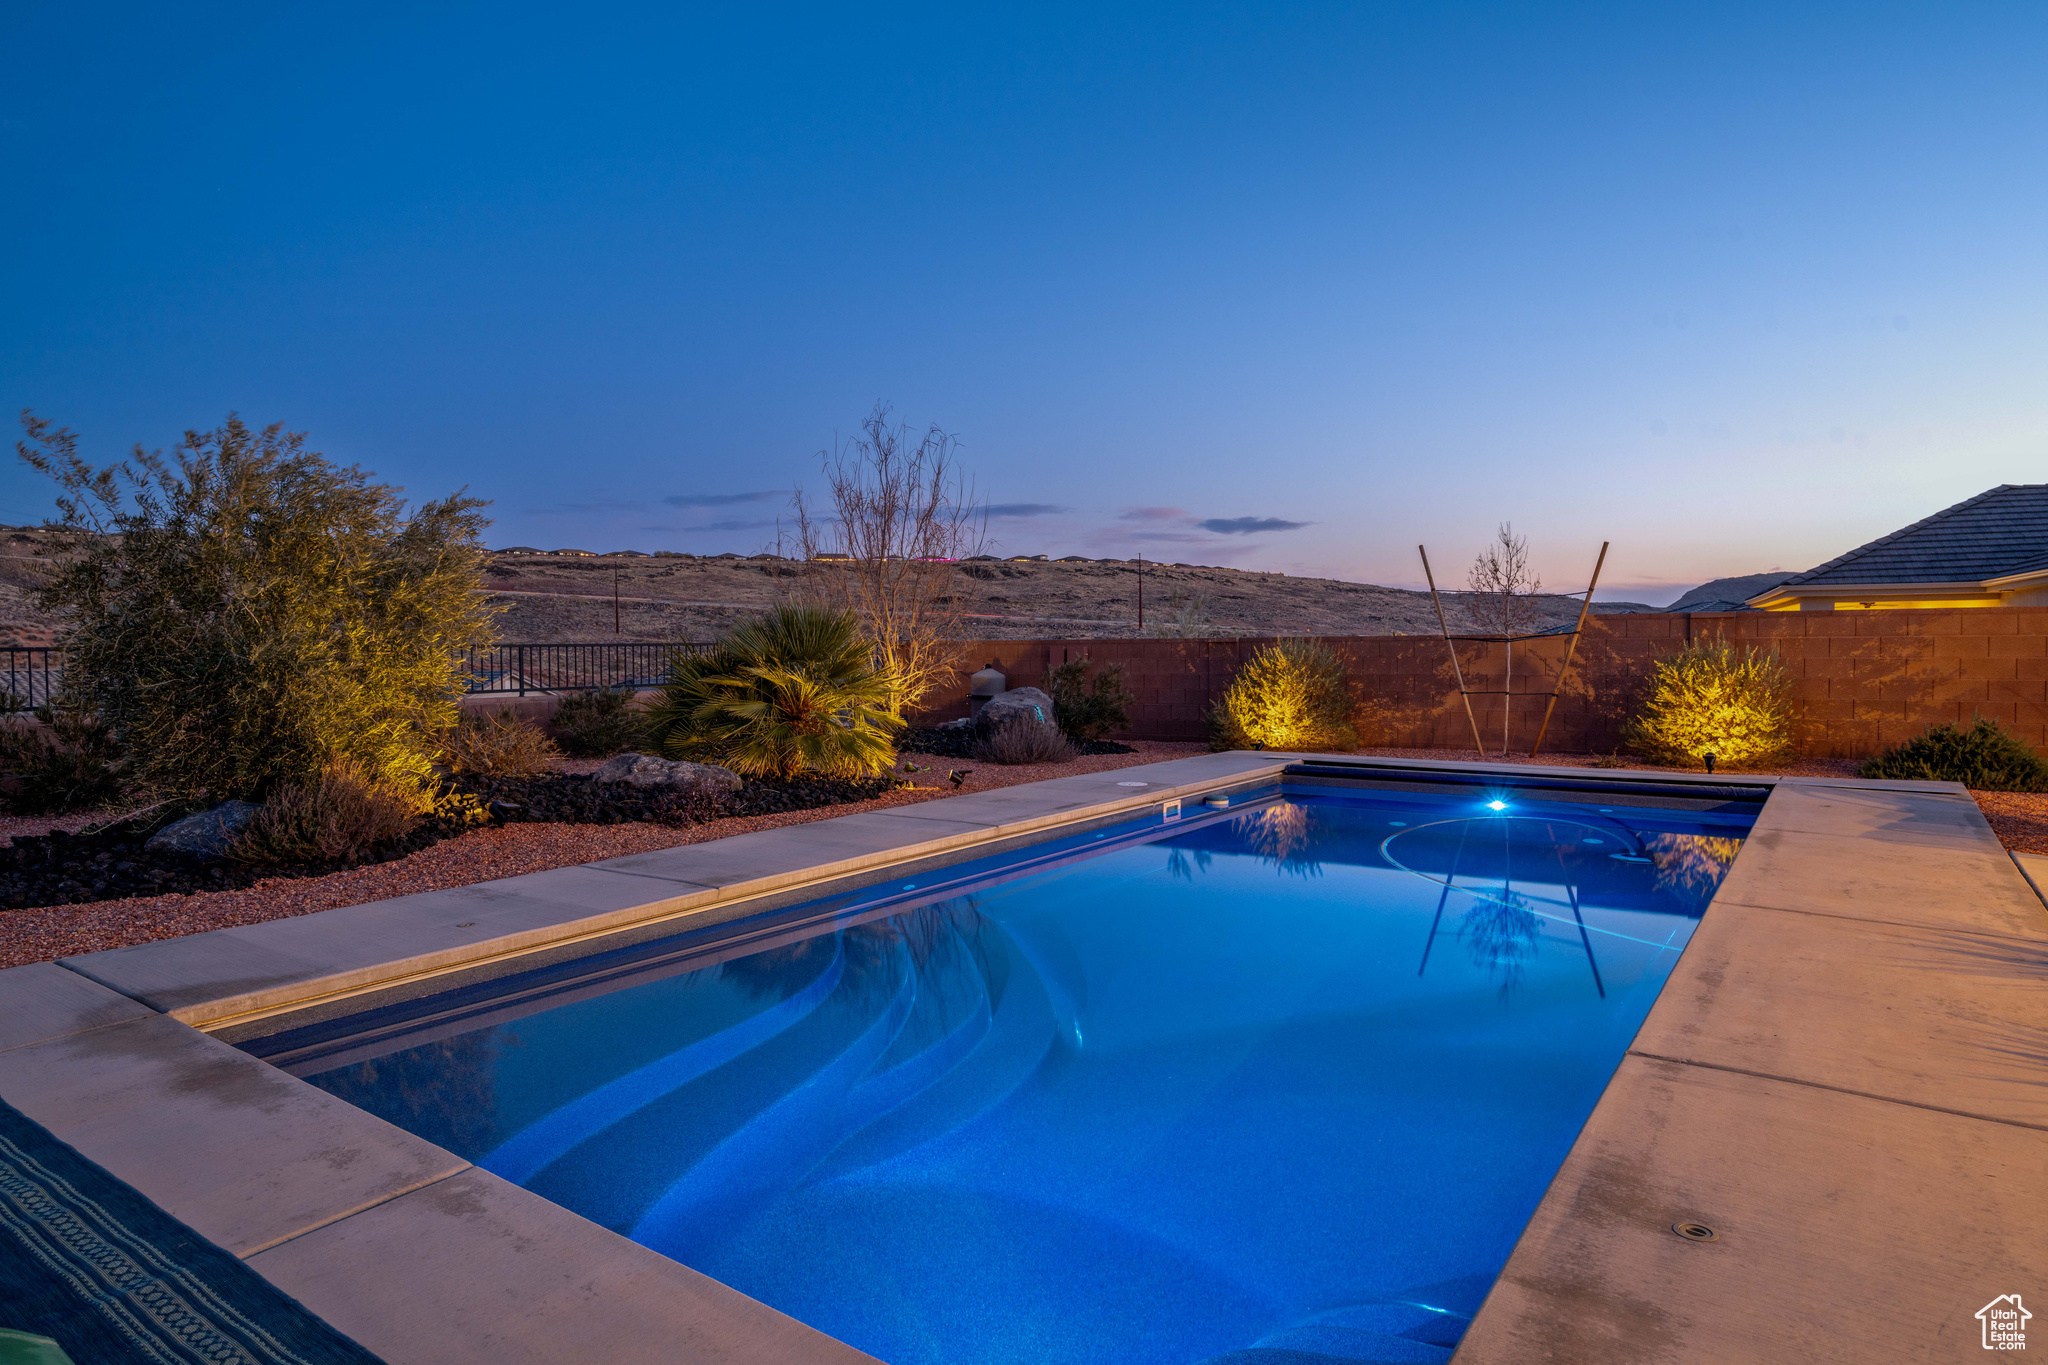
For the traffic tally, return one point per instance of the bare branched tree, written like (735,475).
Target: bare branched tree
(901,513)
(1504,589)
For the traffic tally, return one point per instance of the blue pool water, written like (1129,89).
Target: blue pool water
(1279,1087)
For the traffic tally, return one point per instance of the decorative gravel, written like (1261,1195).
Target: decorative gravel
(38,935)
(2020,819)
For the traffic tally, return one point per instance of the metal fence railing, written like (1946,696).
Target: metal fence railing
(520,669)
(33,673)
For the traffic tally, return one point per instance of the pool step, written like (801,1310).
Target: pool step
(1356,1344)
(1019,1036)
(1354,1348)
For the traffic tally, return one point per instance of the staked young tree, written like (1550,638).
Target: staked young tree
(1503,592)
(246,613)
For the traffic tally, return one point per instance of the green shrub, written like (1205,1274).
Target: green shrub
(1986,757)
(1087,708)
(342,812)
(1712,698)
(599,724)
(246,614)
(69,762)
(498,744)
(1291,694)
(793,690)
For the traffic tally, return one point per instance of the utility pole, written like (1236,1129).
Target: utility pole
(615,602)
(1141,590)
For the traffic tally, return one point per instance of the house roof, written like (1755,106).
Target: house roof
(1999,532)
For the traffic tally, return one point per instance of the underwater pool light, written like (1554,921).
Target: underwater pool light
(1496,805)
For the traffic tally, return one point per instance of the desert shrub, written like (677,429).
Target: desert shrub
(1292,694)
(599,724)
(246,613)
(794,690)
(498,744)
(69,762)
(1024,743)
(1712,697)
(341,812)
(1088,708)
(1986,757)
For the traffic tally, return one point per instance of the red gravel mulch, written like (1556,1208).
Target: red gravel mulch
(2019,819)
(37,935)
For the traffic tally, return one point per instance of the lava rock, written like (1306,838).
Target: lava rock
(642,770)
(205,836)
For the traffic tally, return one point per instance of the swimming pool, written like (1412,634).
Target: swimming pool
(1281,1082)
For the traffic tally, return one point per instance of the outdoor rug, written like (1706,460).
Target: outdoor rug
(113,1279)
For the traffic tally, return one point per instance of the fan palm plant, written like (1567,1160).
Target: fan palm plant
(792,691)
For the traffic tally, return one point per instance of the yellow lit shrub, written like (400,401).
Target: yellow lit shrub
(245,613)
(1292,694)
(1714,698)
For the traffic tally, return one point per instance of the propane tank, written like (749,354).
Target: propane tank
(983,685)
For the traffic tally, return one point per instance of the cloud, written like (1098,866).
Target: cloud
(1248,526)
(735,526)
(585,508)
(722,499)
(1166,537)
(1024,509)
(1154,514)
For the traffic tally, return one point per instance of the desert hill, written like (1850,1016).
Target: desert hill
(563,596)
(568,596)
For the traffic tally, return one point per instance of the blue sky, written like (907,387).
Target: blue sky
(1283,286)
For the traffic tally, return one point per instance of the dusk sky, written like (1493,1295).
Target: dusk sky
(1280,286)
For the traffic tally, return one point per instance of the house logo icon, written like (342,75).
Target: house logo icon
(2005,1323)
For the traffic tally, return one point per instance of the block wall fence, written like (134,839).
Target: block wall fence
(1867,678)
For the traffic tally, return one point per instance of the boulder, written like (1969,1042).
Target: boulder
(644,770)
(1018,706)
(205,835)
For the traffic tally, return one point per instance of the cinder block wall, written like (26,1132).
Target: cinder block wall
(1868,678)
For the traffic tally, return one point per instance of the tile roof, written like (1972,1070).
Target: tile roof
(2001,531)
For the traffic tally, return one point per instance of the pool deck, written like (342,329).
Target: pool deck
(1846,1077)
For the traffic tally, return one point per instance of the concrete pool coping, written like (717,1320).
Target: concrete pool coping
(1844,1076)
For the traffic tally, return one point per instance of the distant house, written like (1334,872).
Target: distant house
(1991,551)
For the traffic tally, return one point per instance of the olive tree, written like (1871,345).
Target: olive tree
(246,613)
